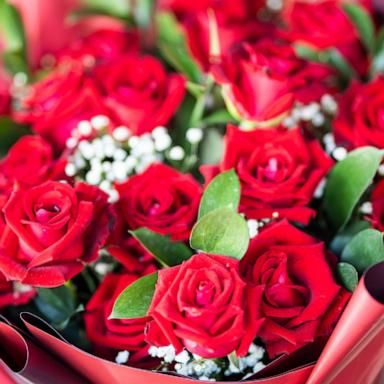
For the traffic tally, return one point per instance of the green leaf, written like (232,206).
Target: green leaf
(221,116)
(221,232)
(136,299)
(347,182)
(363,23)
(348,276)
(56,304)
(222,191)
(364,250)
(172,45)
(166,251)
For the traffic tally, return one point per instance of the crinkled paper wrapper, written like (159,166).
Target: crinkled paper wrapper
(353,354)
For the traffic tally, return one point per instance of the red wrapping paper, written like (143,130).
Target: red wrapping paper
(353,354)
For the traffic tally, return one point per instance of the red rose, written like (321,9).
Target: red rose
(52,231)
(111,336)
(323,24)
(301,299)
(101,45)
(204,306)
(55,105)
(251,89)
(279,171)
(377,199)
(139,93)
(30,162)
(14,293)
(360,119)
(161,199)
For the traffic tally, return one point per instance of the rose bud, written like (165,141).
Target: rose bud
(301,299)
(139,93)
(161,199)
(53,230)
(360,118)
(205,306)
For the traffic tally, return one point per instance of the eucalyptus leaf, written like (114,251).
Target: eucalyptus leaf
(136,299)
(172,45)
(364,250)
(167,252)
(348,276)
(222,191)
(363,23)
(222,232)
(347,182)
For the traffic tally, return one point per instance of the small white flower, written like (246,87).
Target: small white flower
(253,228)
(100,122)
(162,142)
(133,141)
(93,178)
(159,131)
(106,166)
(319,192)
(121,133)
(130,163)
(318,120)
(122,357)
(102,269)
(119,169)
(182,357)
(194,135)
(329,138)
(71,143)
(366,208)
(176,153)
(84,127)
(381,170)
(340,153)
(70,170)
(113,196)
(329,104)
(86,149)
(309,111)
(120,154)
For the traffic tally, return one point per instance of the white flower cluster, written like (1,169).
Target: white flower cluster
(338,153)
(249,364)
(315,113)
(101,158)
(191,365)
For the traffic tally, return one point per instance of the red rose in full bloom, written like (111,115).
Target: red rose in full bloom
(377,199)
(323,24)
(161,199)
(102,45)
(139,93)
(52,230)
(360,120)
(250,87)
(30,161)
(301,299)
(111,336)
(205,306)
(279,171)
(55,105)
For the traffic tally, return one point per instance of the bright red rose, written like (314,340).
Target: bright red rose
(323,24)
(52,231)
(250,87)
(279,171)
(54,106)
(102,45)
(360,120)
(301,299)
(139,93)
(14,293)
(111,336)
(377,199)
(161,199)
(205,306)
(30,162)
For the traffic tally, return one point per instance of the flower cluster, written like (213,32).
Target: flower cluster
(193,188)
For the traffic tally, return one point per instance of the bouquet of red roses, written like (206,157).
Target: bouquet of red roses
(191,191)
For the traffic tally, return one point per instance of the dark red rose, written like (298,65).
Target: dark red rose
(52,230)
(54,106)
(279,171)
(14,293)
(139,93)
(323,24)
(301,299)
(161,199)
(360,120)
(111,336)
(30,161)
(100,46)
(204,306)
(377,199)
(251,89)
